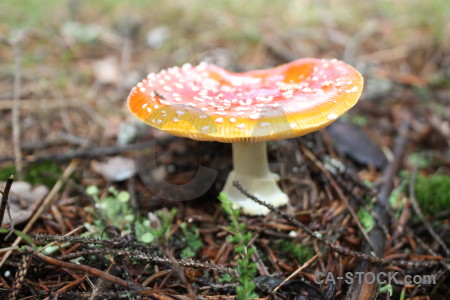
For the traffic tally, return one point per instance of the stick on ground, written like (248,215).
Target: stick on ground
(44,205)
(5,195)
(366,290)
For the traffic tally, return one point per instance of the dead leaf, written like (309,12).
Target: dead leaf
(23,199)
(115,169)
(353,142)
(107,70)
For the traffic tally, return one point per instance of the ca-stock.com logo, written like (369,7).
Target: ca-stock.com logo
(382,278)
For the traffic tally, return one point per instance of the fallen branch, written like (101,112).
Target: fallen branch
(365,290)
(20,276)
(90,152)
(15,118)
(339,192)
(338,248)
(117,246)
(96,272)
(5,195)
(36,104)
(136,254)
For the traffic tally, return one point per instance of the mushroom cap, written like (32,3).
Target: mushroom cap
(208,103)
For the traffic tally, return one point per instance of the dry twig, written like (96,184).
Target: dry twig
(15,44)
(378,236)
(93,152)
(87,269)
(43,206)
(335,247)
(20,276)
(5,195)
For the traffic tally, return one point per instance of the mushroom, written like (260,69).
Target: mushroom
(208,103)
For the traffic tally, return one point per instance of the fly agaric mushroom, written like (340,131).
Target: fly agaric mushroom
(208,103)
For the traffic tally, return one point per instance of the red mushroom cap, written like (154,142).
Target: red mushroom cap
(209,103)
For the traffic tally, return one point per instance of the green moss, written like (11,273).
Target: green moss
(433,193)
(6,172)
(299,252)
(46,173)
(193,240)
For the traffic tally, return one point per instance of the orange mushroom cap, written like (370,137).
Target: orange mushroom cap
(208,103)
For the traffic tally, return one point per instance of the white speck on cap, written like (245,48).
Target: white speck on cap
(186,66)
(332,116)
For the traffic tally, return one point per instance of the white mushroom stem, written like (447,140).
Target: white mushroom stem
(251,169)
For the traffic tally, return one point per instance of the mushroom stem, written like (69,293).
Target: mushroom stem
(251,169)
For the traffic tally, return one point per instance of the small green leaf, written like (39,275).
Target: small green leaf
(225,278)
(123,196)
(92,190)
(147,238)
(23,236)
(386,289)
(366,219)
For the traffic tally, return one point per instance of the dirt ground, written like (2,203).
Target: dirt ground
(93,189)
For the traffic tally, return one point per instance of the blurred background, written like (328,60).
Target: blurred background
(79,59)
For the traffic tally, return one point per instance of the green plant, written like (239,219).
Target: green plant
(420,160)
(22,235)
(366,219)
(147,233)
(245,266)
(193,240)
(397,199)
(385,289)
(115,209)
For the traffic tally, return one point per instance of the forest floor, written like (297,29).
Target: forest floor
(370,193)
